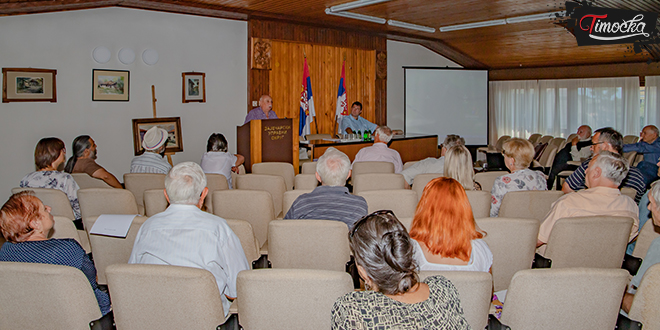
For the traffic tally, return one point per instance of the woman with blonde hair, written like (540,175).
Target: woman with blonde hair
(445,235)
(458,165)
(518,154)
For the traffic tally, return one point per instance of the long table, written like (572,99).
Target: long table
(411,147)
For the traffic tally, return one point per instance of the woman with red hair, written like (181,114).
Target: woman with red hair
(445,236)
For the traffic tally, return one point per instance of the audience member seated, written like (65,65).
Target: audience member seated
(184,235)
(649,146)
(395,299)
(604,174)
(25,223)
(652,255)
(353,123)
(518,154)
(49,155)
(217,160)
(610,140)
(576,150)
(432,164)
(379,151)
(152,159)
(459,167)
(331,200)
(644,214)
(84,161)
(445,236)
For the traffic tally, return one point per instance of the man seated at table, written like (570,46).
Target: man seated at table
(84,161)
(606,139)
(602,197)
(331,200)
(649,146)
(263,111)
(379,151)
(432,164)
(184,235)
(353,123)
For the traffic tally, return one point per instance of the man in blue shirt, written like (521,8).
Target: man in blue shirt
(352,123)
(649,146)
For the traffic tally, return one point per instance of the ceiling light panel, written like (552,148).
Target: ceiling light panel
(361,17)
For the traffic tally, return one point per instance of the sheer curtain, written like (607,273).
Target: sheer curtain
(559,107)
(651,101)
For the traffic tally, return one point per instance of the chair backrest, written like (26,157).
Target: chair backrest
(558,141)
(545,139)
(647,234)
(241,171)
(486,179)
(378,181)
(290,197)
(243,229)
(410,163)
(570,138)
(644,307)
(574,298)
(630,139)
(630,192)
(187,298)
(154,202)
(45,296)
(85,181)
(273,184)
(112,250)
(311,137)
(548,155)
(308,244)
(372,167)
(534,138)
(310,294)
(254,206)
(285,170)
(402,202)
(630,156)
(214,182)
(500,142)
(309,168)
(513,243)
(529,204)
(406,222)
(480,202)
(137,183)
(421,180)
(64,228)
(55,198)
(97,201)
(305,181)
(595,242)
(474,289)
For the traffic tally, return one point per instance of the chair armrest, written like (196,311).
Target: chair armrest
(631,264)
(541,261)
(624,323)
(262,262)
(495,324)
(106,322)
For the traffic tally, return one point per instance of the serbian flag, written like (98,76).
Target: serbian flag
(342,106)
(307,111)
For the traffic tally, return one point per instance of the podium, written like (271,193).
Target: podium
(268,140)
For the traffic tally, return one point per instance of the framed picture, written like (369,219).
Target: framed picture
(28,85)
(110,85)
(194,87)
(171,124)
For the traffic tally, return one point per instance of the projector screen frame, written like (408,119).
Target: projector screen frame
(442,138)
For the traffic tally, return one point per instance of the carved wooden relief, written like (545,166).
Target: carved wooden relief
(261,53)
(381,65)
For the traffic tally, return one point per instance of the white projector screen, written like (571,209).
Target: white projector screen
(446,101)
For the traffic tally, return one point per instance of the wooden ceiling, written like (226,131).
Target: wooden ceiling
(520,45)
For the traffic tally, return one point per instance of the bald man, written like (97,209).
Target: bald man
(263,111)
(649,146)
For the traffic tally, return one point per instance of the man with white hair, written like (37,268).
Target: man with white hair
(605,173)
(575,150)
(649,146)
(152,160)
(331,200)
(184,235)
(263,111)
(432,164)
(379,151)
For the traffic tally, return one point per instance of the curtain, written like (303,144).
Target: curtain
(559,107)
(651,111)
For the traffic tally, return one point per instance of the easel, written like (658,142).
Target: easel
(153,102)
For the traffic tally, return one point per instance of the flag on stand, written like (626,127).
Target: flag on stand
(307,111)
(342,106)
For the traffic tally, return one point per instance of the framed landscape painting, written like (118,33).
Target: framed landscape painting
(194,87)
(28,85)
(110,85)
(171,124)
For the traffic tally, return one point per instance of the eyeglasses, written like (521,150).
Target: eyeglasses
(597,143)
(361,221)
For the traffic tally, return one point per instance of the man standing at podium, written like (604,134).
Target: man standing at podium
(263,111)
(354,122)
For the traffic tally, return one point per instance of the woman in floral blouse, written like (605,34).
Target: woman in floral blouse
(518,154)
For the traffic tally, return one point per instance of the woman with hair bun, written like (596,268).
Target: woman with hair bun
(395,298)
(217,160)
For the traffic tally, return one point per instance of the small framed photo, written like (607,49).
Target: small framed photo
(28,85)
(194,87)
(171,124)
(110,85)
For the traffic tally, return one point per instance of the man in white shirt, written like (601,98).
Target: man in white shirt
(379,151)
(577,150)
(432,164)
(184,235)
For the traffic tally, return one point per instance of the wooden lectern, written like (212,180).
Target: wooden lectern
(268,140)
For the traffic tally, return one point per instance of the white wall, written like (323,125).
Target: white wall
(400,54)
(65,40)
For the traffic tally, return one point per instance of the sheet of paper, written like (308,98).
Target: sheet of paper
(115,225)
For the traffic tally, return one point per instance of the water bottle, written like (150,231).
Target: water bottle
(359,134)
(366,134)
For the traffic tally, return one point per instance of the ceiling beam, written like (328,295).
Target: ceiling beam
(36,7)
(442,49)
(185,7)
